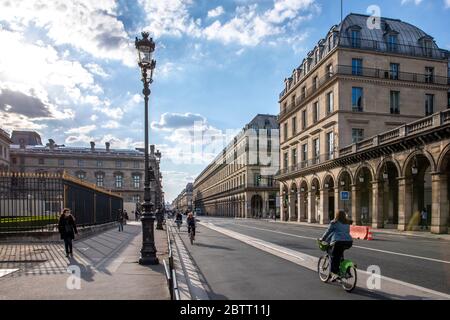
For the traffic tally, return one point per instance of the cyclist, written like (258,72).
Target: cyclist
(178,219)
(339,238)
(191,223)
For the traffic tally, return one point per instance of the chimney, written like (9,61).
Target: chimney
(92,145)
(152,149)
(107,144)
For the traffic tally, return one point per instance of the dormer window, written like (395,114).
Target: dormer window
(355,38)
(392,40)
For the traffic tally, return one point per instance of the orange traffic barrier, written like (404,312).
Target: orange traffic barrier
(369,233)
(358,232)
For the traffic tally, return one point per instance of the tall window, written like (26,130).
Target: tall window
(285,160)
(304,123)
(294,126)
(118,164)
(303,92)
(330,102)
(136,198)
(429,104)
(395,70)
(330,145)
(357,135)
(294,156)
(285,132)
(316,150)
(41,161)
(330,70)
(356,40)
(61,162)
(316,82)
(119,181)
(99,163)
(395,102)
(357,65)
(136,165)
(315,112)
(81,163)
(136,181)
(429,75)
(392,43)
(357,97)
(100,179)
(305,154)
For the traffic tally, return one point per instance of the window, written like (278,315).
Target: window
(303,92)
(119,181)
(315,112)
(136,165)
(305,153)
(304,119)
(41,160)
(81,175)
(99,163)
(429,75)
(429,104)
(395,70)
(61,162)
(100,179)
(136,198)
(136,181)
(428,48)
(293,100)
(330,102)
(14,160)
(357,135)
(316,150)
(357,96)
(355,38)
(294,156)
(118,164)
(284,107)
(330,70)
(316,82)
(81,163)
(357,67)
(392,43)
(285,160)
(294,126)
(330,145)
(395,102)
(285,132)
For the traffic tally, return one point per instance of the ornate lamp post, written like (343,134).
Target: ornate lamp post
(145,48)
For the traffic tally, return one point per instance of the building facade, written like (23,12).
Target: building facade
(356,85)
(5,141)
(184,201)
(239,182)
(117,170)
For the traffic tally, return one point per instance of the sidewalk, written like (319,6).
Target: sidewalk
(419,234)
(108,265)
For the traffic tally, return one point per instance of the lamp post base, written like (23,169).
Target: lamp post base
(148,251)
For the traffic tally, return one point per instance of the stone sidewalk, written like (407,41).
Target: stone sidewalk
(107,264)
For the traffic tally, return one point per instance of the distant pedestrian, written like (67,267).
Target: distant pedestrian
(424,219)
(136,215)
(67,228)
(120,219)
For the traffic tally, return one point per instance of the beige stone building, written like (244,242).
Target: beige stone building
(184,201)
(356,84)
(5,141)
(239,182)
(117,170)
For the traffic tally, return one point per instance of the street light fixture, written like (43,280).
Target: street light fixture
(145,48)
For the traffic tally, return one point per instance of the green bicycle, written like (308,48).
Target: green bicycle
(347,269)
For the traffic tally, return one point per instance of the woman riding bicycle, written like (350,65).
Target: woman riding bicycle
(338,236)
(191,223)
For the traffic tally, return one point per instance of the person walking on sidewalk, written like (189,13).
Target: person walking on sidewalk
(67,228)
(120,219)
(424,219)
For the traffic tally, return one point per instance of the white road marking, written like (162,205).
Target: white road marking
(360,247)
(4,272)
(390,287)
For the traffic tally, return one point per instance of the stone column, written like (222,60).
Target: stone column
(336,201)
(439,206)
(377,204)
(291,206)
(311,206)
(324,206)
(356,214)
(282,207)
(404,203)
(299,206)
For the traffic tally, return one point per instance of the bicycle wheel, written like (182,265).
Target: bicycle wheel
(191,236)
(349,279)
(324,268)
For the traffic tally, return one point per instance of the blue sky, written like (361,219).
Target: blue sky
(68,70)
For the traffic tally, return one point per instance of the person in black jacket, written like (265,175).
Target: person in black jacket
(67,228)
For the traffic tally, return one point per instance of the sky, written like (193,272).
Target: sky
(68,69)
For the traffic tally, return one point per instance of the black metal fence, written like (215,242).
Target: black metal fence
(34,202)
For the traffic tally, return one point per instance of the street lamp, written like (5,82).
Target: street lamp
(145,48)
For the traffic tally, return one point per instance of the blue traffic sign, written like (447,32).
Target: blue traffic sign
(345,195)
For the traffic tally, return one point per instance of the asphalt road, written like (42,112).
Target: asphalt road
(236,270)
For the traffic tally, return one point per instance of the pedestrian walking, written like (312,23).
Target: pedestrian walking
(136,215)
(67,228)
(120,219)
(424,219)
(126,218)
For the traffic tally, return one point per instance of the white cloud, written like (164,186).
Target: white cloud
(416,2)
(97,69)
(13,121)
(216,12)
(91,26)
(447,4)
(82,130)
(168,69)
(111,125)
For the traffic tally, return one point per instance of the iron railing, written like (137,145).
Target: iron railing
(34,202)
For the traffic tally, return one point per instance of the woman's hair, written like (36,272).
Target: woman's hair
(342,217)
(190,214)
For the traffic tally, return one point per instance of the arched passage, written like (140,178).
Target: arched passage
(440,222)
(344,184)
(327,196)
(285,204)
(314,202)
(386,210)
(256,206)
(293,203)
(362,197)
(415,193)
(303,203)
